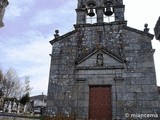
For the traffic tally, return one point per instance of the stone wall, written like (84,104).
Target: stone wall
(16,118)
(11,116)
(128,66)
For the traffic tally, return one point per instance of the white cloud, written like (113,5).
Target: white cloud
(17,8)
(62,17)
(42,18)
(137,13)
(35,52)
(40,82)
(14,12)
(30,58)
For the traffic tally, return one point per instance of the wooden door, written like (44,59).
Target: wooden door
(100,107)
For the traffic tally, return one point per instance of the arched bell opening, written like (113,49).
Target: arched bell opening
(91,16)
(109,15)
(108,8)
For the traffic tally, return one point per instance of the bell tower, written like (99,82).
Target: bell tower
(100,8)
(3,5)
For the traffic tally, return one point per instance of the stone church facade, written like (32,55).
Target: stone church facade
(103,70)
(3,5)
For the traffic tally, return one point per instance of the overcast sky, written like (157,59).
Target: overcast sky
(30,25)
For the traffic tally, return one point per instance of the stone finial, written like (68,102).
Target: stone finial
(56,35)
(4,3)
(146,29)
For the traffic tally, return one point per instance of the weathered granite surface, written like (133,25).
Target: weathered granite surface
(126,64)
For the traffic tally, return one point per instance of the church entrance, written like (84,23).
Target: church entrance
(100,107)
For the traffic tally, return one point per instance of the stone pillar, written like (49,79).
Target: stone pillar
(119,12)
(18,108)
(99,15)
(9,107)
(81,16)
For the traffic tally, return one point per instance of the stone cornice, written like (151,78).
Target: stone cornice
(63,36)
(100,68)
(100,24)
(83,57)
(138,31)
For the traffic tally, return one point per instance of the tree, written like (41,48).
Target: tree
(1,86)
(11,84)
(1,75)
(27,89)
(25,99)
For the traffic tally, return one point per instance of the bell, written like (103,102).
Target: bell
(91,12)
(108,11)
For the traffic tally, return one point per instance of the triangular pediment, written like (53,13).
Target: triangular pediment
(100,58)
